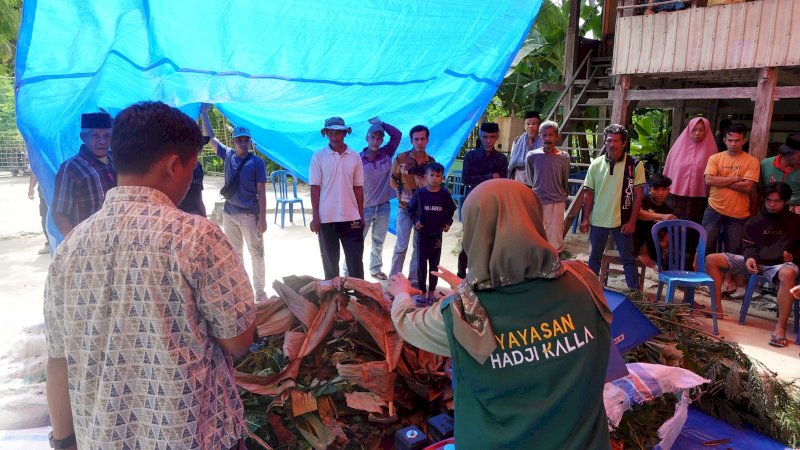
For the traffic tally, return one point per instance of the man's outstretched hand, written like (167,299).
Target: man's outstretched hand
(448,277)
(399,284)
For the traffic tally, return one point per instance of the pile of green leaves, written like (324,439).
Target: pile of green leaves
(742,390)
(337,375)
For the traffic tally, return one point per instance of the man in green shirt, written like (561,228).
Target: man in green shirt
(783,169)
(613,198)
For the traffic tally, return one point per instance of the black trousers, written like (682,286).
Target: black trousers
(462,264)
(429,252)
(351,237)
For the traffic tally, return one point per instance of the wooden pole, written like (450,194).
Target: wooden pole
(711,114)
(619,110)
(762,114)
(678,114)
(571,48)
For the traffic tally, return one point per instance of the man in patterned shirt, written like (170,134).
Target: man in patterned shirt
(146,306)
(83,180)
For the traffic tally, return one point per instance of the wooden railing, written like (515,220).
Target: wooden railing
(568,86)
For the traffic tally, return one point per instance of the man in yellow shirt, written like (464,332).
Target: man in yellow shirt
(731,174)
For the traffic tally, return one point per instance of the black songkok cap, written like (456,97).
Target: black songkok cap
(490,127)
(792,144)
(96,120)
(532,115)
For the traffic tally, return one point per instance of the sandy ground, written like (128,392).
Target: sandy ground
(292,250)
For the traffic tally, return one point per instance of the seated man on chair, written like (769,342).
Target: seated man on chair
(771,242)
(654,209)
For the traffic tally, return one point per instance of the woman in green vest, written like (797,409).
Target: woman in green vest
(528,334)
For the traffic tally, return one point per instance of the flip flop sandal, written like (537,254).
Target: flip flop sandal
(776,341)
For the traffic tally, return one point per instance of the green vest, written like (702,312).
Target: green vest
(542,388)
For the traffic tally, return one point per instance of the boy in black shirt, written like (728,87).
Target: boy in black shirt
(431,210)
(654,209)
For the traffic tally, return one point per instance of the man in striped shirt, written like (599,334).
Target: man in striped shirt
(83,180)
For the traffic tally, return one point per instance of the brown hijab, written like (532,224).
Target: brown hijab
(504,239)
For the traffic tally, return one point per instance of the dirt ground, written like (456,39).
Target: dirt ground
(292,250)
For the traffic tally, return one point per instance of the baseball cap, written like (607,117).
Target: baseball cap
(375,128)
(241,131)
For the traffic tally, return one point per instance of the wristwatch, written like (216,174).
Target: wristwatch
(67,442)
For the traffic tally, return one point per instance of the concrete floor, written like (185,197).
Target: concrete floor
(293,250)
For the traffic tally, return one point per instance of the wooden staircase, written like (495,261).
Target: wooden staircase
(583,110)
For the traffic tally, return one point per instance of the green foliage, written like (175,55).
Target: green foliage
(10,15)
(208,158)
(8,118)
(742,390)
(651,133)
(541,60)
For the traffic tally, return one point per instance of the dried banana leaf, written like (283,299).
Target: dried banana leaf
(266,385)
(367,289)
(296,282)
(328,415)
(279,322)
(292,343)
(304,310)
(382,330)
(314,431)
(305,404)
(365,401)
(267,308)
(302,402)
(373,376)
(320,327)
(318,287)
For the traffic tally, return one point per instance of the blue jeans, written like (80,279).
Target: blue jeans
(733,229)
(377,218)
(597,239)
(404,227)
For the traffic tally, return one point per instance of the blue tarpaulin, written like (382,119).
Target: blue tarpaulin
(276,67)
(704,431)
(630,327)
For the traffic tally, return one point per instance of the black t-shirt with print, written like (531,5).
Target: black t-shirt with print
(643,227)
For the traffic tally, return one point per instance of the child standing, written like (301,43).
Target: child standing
(431,210)
(654,209)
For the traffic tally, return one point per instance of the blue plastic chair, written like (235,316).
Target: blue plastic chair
(752,282)
(457,190)
(676,275)
(280,184)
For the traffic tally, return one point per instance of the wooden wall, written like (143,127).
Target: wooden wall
(762,33)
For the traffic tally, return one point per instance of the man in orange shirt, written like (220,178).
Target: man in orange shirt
(731,174)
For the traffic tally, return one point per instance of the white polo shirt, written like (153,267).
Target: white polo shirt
(336,175)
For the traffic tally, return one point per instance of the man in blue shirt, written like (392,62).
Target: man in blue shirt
(245,213)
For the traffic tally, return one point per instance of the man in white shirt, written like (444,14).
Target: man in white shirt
(336,176)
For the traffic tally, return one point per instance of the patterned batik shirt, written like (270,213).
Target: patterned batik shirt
(135,300)
(81,185)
